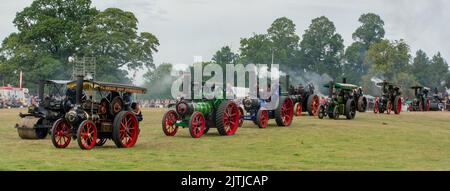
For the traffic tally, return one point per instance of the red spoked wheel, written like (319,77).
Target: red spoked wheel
(314,105)
(197,125)
(428,105)
(227,118)
(87,135)
(169,121)
(125,129)
(61,133)
(284,112)
(421,108)
(389,107)
(262,118)
(410,107)
(376,107)
(298,109)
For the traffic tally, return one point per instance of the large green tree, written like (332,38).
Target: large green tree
(438,69)
(113,39)
(322,48)
(225,56)
(50,31)
(389,60)
(284,41)
(256,49)
(371,31)
(421,68)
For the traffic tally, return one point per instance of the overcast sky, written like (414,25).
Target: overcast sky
(188,28)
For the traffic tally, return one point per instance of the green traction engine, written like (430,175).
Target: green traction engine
(340,101)
(200,114)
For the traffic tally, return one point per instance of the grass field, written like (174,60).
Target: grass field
(410,141)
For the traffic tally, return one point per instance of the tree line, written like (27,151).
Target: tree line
(51,31)
(321,50)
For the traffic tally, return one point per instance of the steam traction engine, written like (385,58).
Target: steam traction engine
(390,99)
(421,101)
(92,123)
(339,102)
(199,115)
(37,122)
(305,100)
(261,110)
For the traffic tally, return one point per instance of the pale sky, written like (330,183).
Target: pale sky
(190,28)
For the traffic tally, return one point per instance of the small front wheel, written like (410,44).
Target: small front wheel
(87,135)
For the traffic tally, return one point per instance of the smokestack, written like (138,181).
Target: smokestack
(344,80)
(79,89)
(288,80)
(41,90)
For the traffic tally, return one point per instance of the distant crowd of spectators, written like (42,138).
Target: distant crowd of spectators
(156,103)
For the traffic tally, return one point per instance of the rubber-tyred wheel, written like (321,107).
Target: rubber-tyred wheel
(389,107)
(87,135)
(262,118)
(285,112)
(376,107)
(227,118)
(298,109)
(169,123)
(61,133)
(125,129)
(100,142)
(313,105)
(197,125)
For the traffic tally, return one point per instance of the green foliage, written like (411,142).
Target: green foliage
(112,38)
(225,56)
(256,49)
(159,82)
(371,30)
(421,69)
(322,48)
(50,31)
(438,71)
(390,61)
(284,41)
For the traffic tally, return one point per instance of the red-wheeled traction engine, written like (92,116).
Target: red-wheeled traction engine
(390,99)
(422,101)
(199,115)
(92,123)
(305,99)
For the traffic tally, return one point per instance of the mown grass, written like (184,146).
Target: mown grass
(410,141)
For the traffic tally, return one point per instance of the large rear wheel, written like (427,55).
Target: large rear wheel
(125,129)
(313,105)
(227,118)
(285,112)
